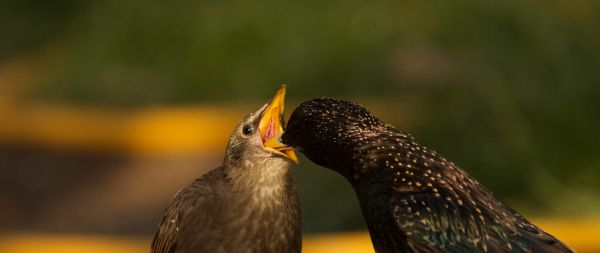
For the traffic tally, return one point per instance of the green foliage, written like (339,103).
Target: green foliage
(26,24)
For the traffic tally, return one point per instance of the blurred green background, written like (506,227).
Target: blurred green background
(508,90)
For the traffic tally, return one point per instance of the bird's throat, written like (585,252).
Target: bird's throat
(264,182)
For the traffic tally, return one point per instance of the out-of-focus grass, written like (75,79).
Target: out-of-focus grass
(505,89)
(137,52)
(580,234)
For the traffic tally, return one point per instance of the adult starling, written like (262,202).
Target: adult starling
(412,199)
(249,204)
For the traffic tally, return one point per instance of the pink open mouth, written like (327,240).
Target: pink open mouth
(270,131)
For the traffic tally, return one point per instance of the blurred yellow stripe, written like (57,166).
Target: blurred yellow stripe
(38,243)
(581,234)
(357,242)
(145,131)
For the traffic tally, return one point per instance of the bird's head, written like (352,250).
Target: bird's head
(329,131)
(256,138)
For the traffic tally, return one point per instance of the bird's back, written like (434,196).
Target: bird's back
(173,234)
(433,204)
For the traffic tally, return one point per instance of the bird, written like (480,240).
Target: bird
(412,198)
(248,204)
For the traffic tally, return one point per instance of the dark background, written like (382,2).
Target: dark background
(508,90)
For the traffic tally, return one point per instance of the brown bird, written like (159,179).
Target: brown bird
(249,204)
(412,198)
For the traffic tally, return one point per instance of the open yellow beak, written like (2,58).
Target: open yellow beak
(271,128)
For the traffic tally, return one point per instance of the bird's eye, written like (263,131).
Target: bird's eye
(248,130)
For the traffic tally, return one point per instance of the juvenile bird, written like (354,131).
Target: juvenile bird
(249,204)
(412,199)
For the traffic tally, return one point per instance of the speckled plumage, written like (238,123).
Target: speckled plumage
(247,205)
(412,199)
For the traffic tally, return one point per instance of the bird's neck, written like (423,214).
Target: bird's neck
(375,205)
(371,172)
(266,183)
(266,199)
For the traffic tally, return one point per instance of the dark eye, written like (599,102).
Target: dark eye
(248,130)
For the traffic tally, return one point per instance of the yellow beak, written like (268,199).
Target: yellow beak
(271,127)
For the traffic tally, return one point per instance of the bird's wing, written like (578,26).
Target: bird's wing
(166,235)
(432,225)
(180,209)
(532,239)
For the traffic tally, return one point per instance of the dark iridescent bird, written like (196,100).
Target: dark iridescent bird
(412,199)
(249,204)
